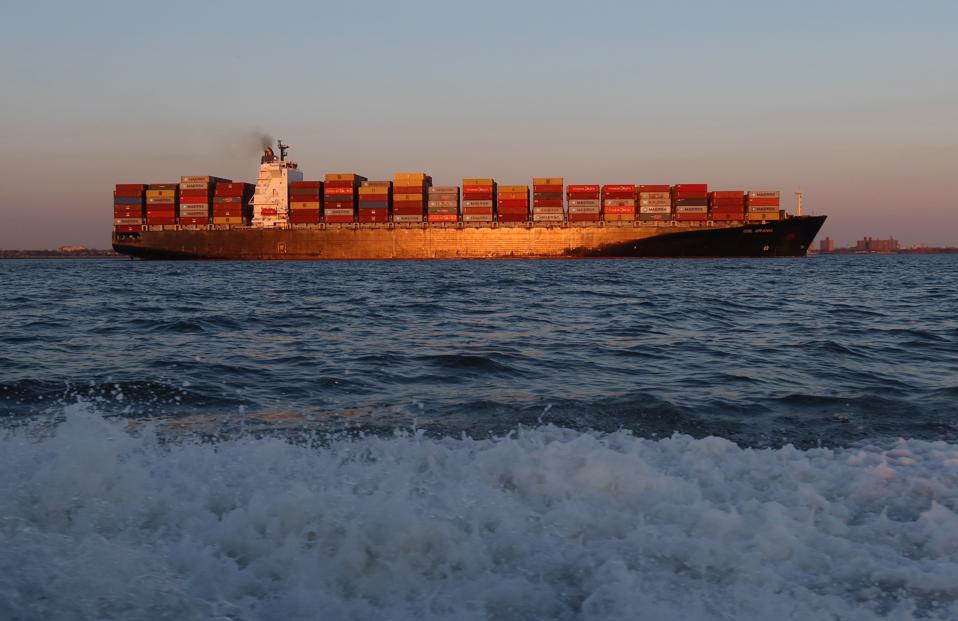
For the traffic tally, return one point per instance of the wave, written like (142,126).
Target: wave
(544,522)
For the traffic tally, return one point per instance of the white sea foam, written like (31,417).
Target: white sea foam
(546,523)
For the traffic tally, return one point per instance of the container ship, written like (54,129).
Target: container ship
(347,216)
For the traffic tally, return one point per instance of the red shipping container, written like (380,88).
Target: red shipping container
(341,184)
(583,188)
(547,188)
(541,202)
(233,189)
(628,188)
(442,218)
(513,217)
(476,211)
(619,209)
(417,204)
(129,228)
(511,210)
(655,188)
(304,217)
(160,219)
(764,202)
(339,219)
(728,202)
(619,195)
(130,187)
(407,211)
(691,187)
(373,217)
(168,210)
(690,194)
(583,217)
(128,193)
(236,212)
(127,211)
(727,194)
(306,184)
(478,188)
(583,195)
(409,189)
(328,191)
(195,221)
(194,193)
(514,202)
(692,217)
(728,216)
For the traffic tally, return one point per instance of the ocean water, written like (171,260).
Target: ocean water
(602,439)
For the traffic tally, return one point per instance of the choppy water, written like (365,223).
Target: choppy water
(568,439)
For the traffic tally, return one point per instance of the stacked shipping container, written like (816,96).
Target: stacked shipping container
(231,204)
(340,191)
(690,202)
(129,207)
(512,203)
(161,203)
(410,191)
(375,201)
(478,200)
(763,205)
(584,203)
(655,203)
(618,202)
(547,204)
(727,205)
(443,205)
(305,202)
(196,199)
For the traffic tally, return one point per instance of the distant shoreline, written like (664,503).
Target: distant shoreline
(57,254)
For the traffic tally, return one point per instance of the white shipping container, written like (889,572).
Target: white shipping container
(655,202)
(444,189)
(475,217)
(338,211)
(619,202)
(548,217)
(583,209)
(654,195)
(583,202)
(407,218)
(477,203)
(655,209)
(765,194)
(764,209)
(127,221)
(443,203)
(194,185)
(541,210)
(691,209)
(202,179)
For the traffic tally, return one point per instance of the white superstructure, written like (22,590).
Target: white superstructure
(271,198)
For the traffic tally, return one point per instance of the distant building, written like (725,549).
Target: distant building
(877,245)
(72,249)
(826,245)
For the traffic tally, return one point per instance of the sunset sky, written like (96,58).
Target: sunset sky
(854,103)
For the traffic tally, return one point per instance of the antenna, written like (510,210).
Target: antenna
(282,150)
(798,203)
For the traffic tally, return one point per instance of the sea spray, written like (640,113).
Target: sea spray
(103,521)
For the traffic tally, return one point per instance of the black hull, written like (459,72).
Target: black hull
(785,238)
